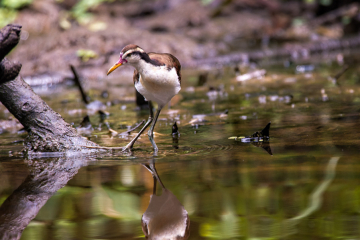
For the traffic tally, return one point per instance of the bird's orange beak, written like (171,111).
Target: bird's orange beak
(116,65)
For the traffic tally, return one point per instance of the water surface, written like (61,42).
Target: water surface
(307,189)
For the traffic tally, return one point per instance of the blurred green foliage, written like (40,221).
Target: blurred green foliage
(80,10)
(8,10)
(86,54)
(15,4)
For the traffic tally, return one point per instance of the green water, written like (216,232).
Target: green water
(308,189)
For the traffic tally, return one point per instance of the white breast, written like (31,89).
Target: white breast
(158,84)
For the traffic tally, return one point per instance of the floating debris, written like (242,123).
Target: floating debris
(262,99)
(324,96)
(257,136)
(44,79)
(224,114)
(304,68)
(95,105)
(247,76)
(112,132)
(198,119)
(258,139)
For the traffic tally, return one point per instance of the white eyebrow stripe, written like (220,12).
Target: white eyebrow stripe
(132,50)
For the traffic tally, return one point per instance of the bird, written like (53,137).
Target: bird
(157,77)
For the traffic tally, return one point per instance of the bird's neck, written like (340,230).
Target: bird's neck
(142,66)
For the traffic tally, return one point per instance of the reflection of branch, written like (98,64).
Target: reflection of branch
(45,178)
(315,198)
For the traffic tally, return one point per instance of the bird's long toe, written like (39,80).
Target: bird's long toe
(127,148)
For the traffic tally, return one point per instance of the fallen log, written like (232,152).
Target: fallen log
(48,132)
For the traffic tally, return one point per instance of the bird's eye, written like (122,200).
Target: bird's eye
(129,55)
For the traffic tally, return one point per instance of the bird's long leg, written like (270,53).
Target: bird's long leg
(154,177)
(151,117)
(151,130)
(152,167)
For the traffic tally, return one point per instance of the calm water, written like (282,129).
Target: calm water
(308,189)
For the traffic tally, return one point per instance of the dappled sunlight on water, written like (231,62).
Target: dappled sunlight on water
(308,188)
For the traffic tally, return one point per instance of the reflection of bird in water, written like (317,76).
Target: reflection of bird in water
(165,217)
(157,77)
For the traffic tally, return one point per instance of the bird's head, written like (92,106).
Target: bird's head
(129,54)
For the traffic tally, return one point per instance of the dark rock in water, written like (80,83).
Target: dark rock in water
(202,79)
(175,136)
(175,130)
(86,122)
(103,115)
(105,94)
(85,127)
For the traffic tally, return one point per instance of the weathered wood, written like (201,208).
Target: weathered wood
(48,132)
(9,38)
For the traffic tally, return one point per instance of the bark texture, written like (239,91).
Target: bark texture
(48,132)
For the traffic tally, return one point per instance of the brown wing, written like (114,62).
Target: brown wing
(161,59)
(136,76)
